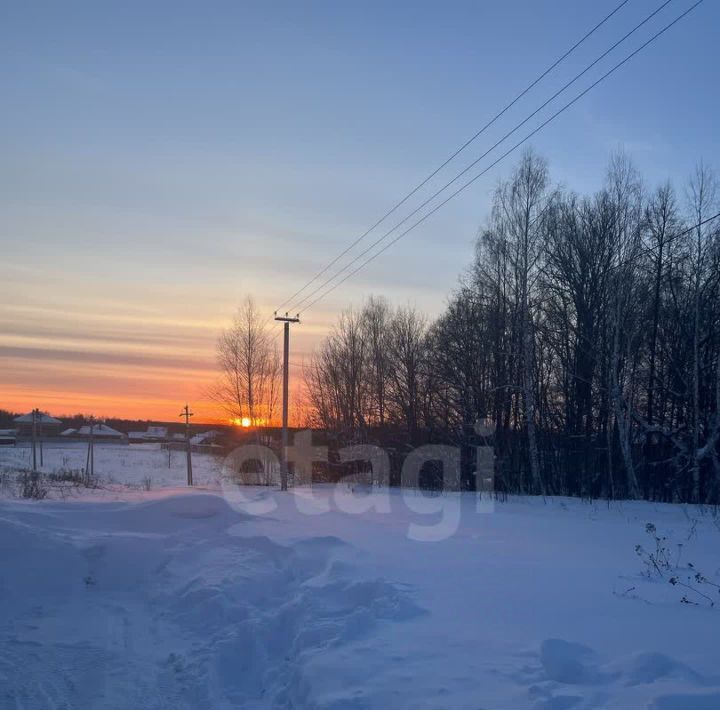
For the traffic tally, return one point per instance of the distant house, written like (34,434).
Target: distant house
(205,438)
(8,437)
(100,431)
(45,424)
(157,432)
(153,434)
(206,441)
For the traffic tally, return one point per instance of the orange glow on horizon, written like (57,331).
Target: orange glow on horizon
(118,361)
(158,404)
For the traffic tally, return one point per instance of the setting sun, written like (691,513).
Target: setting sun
(244,422)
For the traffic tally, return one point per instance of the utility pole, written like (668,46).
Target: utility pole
(34,438)
(40,442)
(90,463)
(286,320)
(187,414)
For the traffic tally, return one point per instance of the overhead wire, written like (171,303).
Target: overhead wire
(457,152)
(504,155)
(507,135)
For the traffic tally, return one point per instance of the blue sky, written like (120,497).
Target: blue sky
(160,160)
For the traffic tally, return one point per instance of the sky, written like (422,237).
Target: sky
(162,160)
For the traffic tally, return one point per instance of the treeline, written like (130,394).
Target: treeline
(7,419)
(587,329)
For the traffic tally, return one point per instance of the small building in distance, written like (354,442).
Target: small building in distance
(201,442)
(100,431)
(45,424)
(208,441)
(153,434)
(205,438)
(157,432)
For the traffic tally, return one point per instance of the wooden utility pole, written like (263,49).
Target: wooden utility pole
(35,413)
(40,442)
(90,463)
(286,320)
(187,414)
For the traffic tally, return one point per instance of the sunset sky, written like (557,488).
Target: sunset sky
(162,160)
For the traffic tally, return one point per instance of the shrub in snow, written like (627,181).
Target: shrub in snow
(658,562)
(67,475)
(33,486)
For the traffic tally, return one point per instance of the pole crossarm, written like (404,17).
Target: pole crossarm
(287,318)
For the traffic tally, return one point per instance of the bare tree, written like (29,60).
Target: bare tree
(519,215)
(408,357)
(588,328)
(375,324)
(250,368)
(661,222)
(338,378)
(702,195)
(624,197)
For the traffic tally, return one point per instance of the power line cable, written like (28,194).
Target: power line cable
(456,153)
(504,155)
(484,155)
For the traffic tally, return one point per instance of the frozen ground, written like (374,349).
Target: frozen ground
(226,598)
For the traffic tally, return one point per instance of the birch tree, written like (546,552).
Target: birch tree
(250,368)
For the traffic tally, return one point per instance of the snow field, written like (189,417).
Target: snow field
(124,465)
(176,598)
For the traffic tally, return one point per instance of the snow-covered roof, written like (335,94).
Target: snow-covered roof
(205,437)
(153,432)
(100,430)
(157,431)
(42,418)
(68,432)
